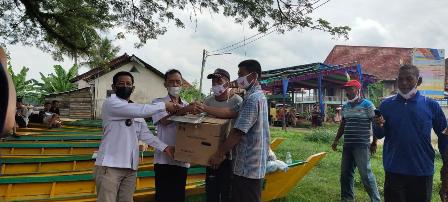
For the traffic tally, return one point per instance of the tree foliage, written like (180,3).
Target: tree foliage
(376,93)
(101,54)
(192,93)
(59,81)
(68,26)
(25,88)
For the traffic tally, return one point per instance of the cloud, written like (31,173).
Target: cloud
(400,23)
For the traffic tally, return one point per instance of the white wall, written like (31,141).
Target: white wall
(148,86)
(82,84)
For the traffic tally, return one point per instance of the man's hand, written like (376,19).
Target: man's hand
(379,121)
(171,107)
(216,160)
(169,150)
(373,148)
(334,146)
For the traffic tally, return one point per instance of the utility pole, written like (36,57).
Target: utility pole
(204,57)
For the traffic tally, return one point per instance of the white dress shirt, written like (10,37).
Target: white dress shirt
(166,133)
(119,144)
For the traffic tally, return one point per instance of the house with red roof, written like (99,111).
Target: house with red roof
(381,62)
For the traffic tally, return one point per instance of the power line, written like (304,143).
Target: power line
(260,33)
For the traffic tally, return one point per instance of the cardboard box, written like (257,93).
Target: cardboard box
(197,142)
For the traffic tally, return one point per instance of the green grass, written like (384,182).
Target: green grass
(322,183)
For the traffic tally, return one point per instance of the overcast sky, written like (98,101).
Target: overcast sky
(397,23)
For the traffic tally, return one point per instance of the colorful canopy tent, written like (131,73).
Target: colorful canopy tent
(315,76)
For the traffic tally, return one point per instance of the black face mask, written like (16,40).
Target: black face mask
(123,92)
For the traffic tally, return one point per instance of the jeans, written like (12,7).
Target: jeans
(352,157)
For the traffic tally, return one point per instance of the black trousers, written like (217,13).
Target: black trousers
(217,182)
(170,183)
(20,122)
(246,189)
(406,188)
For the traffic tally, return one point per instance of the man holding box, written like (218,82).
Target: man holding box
(249,137)
(123,125)
(170,175)
(222,104)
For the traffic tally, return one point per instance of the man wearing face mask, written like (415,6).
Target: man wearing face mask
(170,175)
(405,124)
(357,117)
(222,104)
(249,137)
(123,126)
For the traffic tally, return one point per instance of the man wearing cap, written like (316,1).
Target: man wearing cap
(357,117)
(222,104)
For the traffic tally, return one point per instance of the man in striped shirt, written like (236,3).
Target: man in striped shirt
(357,116)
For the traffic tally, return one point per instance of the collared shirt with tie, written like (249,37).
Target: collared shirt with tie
(119,144)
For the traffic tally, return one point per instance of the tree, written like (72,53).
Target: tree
(101,54)
(375,91)
(59,81)
(25,88)
(192,93)
(72,27)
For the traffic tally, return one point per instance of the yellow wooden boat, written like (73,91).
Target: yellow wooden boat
(81,187)
(60,164)
(47,163)
(59,148)
(46,138)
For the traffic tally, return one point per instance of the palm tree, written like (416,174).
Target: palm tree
(101,54)
(59,81)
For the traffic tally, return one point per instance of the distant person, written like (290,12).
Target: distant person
(55,107)
(49,118)
(405,122)
(357,117)
(22,114)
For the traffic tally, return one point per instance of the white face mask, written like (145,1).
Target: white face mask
(174,91)
(355,98)
(218,89)
(408,95)
(243,83)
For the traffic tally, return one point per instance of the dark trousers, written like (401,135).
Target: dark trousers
(246,189)
(170,183)
(217,182)
(407,188)
(20,122)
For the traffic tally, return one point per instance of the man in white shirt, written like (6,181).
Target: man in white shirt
(170,175)
(123,126)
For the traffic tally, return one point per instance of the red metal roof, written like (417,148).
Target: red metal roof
(382,62)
